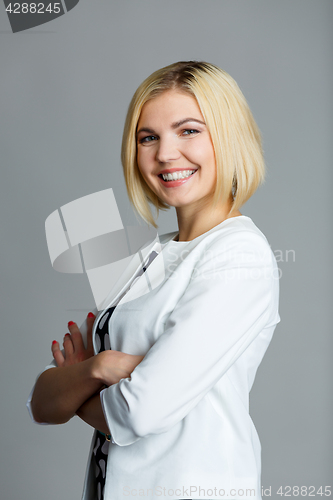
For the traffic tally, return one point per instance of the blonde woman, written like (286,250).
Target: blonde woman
(163,373)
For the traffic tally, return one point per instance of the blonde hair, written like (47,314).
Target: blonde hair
(234,133)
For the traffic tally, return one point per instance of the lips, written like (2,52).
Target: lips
(173,170)
(177,175)
(178,182)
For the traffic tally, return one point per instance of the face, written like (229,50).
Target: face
(175,154)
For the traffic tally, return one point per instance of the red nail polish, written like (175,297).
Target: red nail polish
(91,315)
(54,342)
(67,335)
(71,323)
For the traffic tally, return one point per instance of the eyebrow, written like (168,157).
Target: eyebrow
(181,122)
(173,125)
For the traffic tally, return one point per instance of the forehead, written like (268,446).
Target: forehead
(169,107)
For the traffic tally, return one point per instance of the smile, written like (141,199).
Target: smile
(174,179)
(175,176)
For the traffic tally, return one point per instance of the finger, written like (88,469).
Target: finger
(90,323)
(57,354)
(68,345)
(76,337)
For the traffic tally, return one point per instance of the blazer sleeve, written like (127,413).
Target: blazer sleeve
(230,298)
(53,364)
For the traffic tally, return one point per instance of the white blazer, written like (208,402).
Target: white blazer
(203,314)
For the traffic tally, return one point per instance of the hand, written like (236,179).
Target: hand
(112,366)
(74,348)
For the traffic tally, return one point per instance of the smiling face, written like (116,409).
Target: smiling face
(172,139)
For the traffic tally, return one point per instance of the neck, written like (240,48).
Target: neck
(194,222)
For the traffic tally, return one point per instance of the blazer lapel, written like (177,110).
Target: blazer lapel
(135,262)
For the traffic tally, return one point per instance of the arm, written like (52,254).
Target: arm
(59,392)
(91,412)
(110,371)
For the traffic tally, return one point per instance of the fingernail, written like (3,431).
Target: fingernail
(67,335)
(91,315)
(71,323)
(54,342)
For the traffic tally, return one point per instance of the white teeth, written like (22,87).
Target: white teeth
(178,175)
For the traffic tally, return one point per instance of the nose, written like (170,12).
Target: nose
(167,149)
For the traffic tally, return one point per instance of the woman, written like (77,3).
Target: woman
(188,330)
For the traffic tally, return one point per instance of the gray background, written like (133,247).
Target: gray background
(64,90)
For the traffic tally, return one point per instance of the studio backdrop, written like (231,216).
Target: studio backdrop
(66,79)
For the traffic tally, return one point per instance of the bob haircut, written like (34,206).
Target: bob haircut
(235,136)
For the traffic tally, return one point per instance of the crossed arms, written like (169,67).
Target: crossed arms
(73,387)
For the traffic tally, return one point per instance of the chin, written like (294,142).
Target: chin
(177,204)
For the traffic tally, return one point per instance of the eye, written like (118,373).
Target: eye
(147,139)
(190,131)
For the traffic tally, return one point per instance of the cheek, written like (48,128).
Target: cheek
(143,161)
(141,164)
(203,158)
(143,167)
(201,152)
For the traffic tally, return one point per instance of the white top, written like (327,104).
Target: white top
(204,314)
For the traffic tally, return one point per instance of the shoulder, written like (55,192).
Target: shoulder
(238,237)
(234,240)
(238,256)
